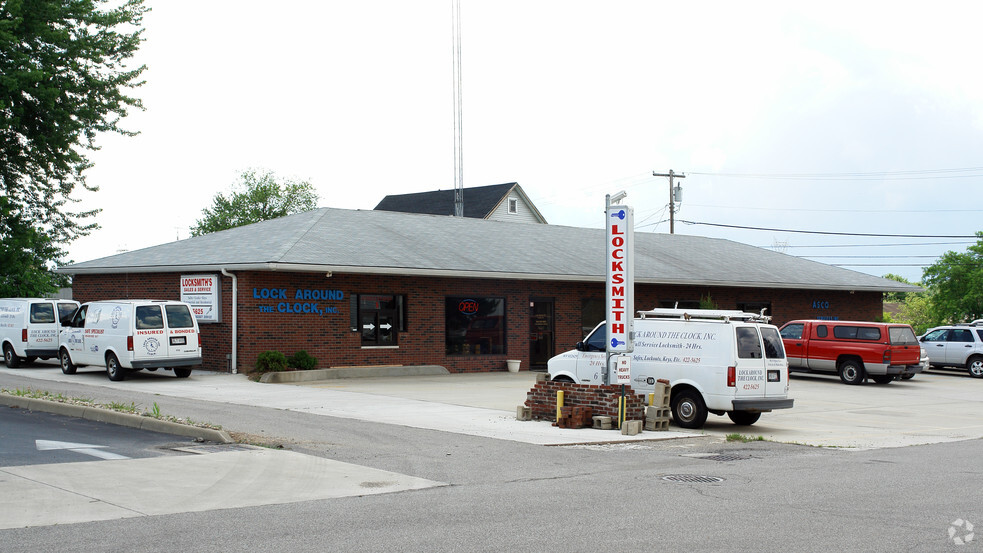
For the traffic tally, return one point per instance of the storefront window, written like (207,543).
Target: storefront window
(474,325)
(378,318)
(591,313)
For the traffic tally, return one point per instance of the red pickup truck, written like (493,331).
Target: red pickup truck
(853,349)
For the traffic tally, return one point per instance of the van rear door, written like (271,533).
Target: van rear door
(776,363)
(149,339)
(42,329)
(182,332)
(750,375)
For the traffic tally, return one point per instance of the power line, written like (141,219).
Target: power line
(832,233)
(877,245)
(964,172)
(743,208)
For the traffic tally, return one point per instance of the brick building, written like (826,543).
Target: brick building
(367,288)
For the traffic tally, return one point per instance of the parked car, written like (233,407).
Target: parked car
(716,361)
(956,347)
(129,335)
(29,328)
(853,349)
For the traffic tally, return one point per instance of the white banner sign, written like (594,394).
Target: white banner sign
(202,293)
(620,281)
(624,369)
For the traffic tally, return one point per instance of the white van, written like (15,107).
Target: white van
(716,362)
(125,335)
(29,328)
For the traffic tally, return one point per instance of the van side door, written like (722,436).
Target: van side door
(73,336)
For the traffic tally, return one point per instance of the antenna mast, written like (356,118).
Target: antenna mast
(458,127)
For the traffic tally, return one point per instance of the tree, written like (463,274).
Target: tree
(63,80)
(956,280)
(258,196)
(897,297)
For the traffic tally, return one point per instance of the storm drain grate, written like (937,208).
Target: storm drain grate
(692,478)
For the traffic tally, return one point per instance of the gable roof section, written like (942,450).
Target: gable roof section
(479,201)
(384,242)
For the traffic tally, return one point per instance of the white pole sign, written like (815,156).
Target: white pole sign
(624,369)
(620,281)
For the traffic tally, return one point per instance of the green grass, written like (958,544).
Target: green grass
(742,438)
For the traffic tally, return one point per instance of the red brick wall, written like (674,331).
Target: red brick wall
(329,337)
(603,400)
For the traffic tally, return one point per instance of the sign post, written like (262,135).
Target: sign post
(619,282)
(619,292)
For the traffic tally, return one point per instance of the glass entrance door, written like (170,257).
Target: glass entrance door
(540,332)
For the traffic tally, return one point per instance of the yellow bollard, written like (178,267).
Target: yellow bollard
(559,404)
(621,411)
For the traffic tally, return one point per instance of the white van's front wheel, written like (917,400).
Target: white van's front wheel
(115,372)
(688,409)
(9,357)
(67,366)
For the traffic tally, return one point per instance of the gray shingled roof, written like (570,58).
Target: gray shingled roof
(384,242)
(479,201)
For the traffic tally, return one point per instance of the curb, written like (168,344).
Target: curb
(352,372)
(97,414)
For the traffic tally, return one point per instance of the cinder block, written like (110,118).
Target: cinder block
(660,425)
(523,413)
(656,413)
(630,428)
(601,422)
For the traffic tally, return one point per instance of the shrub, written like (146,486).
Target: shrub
(302,360)
(271,361)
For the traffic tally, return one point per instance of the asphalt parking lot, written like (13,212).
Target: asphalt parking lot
(934,407)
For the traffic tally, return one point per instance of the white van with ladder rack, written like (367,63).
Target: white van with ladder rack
(717,361)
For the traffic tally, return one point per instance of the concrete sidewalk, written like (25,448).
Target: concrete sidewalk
(481,404)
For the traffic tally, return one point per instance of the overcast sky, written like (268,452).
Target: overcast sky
(845,117)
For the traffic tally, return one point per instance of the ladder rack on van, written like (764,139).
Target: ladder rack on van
(688,314)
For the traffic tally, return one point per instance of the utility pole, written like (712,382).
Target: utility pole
(458,111)
(674,193)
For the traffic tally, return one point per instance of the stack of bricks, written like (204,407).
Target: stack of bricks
(657,414)
(576,416)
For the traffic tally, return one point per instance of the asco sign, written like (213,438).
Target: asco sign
(620,280)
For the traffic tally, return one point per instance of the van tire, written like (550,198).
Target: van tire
(67,366)
(743,418)
(115,372)
(975,366)
(688,409)
(9,357)
(182,373)
(852,372)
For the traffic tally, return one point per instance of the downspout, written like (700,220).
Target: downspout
(235,320)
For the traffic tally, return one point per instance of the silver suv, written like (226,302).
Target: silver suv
(957,346)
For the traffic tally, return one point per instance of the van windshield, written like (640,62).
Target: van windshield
(149,317)
(902,336)
(42,313)
(596,341)
(179,316)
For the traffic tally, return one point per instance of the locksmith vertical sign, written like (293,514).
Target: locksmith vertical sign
(620,281)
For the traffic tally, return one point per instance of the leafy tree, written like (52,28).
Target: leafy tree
(258,196)
(897,297)
(956,280)
(63,80)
